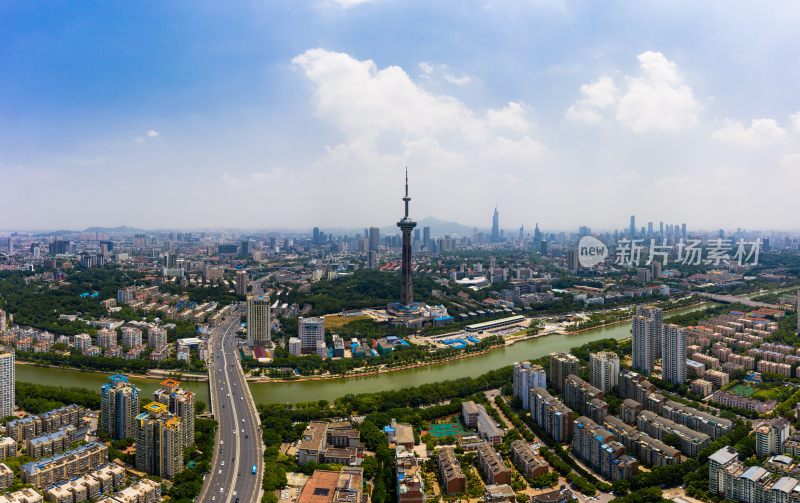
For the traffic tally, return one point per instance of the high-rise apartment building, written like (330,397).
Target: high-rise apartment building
(527,376)
(131,337)
(7,380)
(771,435)
(119,403)
(107,338)
(310,331)
(156,336)
(241,283)
(561,366)
(159,441)
(673,354)
(605,370)
(646,333)
(181,403)
(259,324)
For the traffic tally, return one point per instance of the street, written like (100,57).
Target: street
(238,445)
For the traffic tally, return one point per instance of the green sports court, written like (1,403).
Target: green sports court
(446,429)
(743,390)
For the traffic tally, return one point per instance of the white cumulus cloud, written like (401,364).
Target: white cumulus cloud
(761,133)
(654,99)
(795,119)
(657,98)
(153,134)
(595,97)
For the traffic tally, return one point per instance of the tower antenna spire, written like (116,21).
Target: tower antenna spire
(406,199)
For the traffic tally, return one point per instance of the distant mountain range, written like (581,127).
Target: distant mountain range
(122,229)
(438,227)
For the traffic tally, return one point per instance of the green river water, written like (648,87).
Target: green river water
(330,389)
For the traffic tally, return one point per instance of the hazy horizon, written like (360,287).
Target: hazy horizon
(285,115)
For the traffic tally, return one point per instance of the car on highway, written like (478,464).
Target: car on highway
(254,470)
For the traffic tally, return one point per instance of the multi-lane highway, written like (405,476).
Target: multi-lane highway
(238,445)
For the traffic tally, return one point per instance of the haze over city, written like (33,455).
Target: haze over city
(286,115)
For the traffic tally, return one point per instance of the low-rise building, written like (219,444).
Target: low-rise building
(410,483)
(72,463)
(400,434)
(628,410)
(701,387)
(691,441)
(476,416)
(648,450)
(324,442)
(499,493)
(526,461)
(452,478)
(50,444)
(6,477)
(492,466)
(26,495)
(325,486)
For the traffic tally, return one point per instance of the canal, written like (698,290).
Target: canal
(329,389)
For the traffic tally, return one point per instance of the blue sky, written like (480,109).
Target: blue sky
(292,114)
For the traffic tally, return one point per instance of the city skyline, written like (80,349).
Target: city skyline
(319,101)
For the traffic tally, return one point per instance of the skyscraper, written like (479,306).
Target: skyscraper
(310,331)
(119,403)
(259,324)
(7,380)
(426,237)
(374,238)
(495,226)
(159,441)
(241,283)
(673,354)
(632,227)
(406,225)
(180,402)
(605,370)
